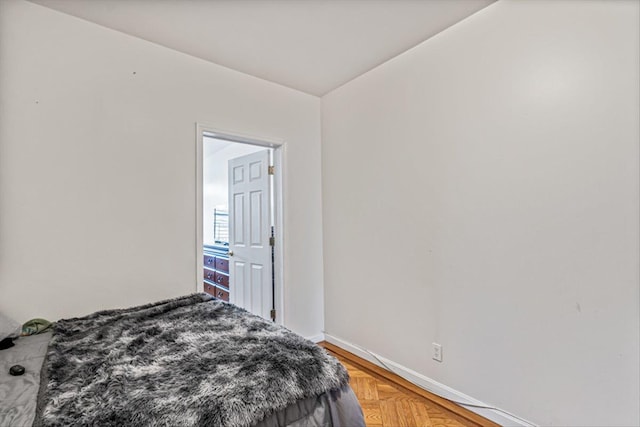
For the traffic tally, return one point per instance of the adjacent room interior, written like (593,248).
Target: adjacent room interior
(461,208)
(238,224)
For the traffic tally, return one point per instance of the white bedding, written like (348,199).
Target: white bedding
(18,394)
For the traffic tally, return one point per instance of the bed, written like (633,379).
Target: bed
(189,361)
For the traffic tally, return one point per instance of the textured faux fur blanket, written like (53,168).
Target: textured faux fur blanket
(183,362)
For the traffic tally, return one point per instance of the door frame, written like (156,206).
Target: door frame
(279,151)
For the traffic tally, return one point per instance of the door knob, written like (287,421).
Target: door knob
(230,253)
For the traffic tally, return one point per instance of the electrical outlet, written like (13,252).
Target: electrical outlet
(437,352)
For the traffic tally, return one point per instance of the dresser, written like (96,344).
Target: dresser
(216,271)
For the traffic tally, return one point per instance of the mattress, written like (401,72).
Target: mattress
(18,394)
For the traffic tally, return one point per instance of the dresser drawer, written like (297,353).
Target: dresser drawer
(209,275)
(222,279)
(209,261)
(211,290)
(221,294)
(222,264)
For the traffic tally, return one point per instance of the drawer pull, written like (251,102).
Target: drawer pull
(209,261)
(208,275)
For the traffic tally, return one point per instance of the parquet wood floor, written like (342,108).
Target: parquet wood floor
(388,404)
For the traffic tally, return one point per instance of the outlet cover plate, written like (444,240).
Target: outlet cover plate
(437,352)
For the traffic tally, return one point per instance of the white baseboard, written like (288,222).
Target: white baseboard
(316,338)
(430,385)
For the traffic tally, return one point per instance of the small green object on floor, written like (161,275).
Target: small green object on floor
(35,326)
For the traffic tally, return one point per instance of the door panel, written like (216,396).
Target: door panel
(238,174)
(236,277)
(238,219)
(249,190)
(255,171)
(257,232)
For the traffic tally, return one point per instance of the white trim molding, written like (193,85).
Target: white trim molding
(279,153)
(316,338)
(487,411)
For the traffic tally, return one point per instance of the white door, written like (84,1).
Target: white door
(250,284)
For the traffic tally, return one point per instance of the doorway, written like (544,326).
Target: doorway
(239,244)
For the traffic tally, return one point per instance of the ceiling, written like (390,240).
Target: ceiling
(311,45)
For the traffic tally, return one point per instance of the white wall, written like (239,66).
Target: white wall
(97,167)
(481,191)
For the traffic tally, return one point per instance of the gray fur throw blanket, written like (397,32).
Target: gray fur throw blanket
(189,361)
